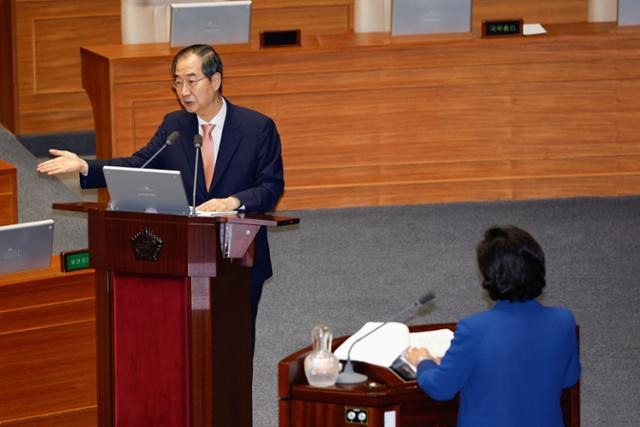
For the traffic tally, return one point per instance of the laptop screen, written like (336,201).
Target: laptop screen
(26,246)
(430,16)
(146,190)
(214,23)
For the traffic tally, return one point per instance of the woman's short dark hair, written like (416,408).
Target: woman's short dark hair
(211,62)
(511,263)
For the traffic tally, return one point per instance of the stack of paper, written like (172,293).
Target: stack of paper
(384,346)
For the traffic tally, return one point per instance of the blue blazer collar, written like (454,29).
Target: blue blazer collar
(531,304)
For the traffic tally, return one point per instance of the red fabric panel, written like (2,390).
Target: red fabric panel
(151,357)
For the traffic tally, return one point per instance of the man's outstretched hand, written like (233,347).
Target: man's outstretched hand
(64,162)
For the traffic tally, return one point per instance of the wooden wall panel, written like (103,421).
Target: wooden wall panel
(8,101)
(8,194)
(377,121)
(146,118)
(309,16)
(457,171)
(57,49)
(47,348)
(48,96)
(60,370)
(48,39)
(542,11)
(321,19)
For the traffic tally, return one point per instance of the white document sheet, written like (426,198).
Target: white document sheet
(437,342)
(383,346)
(211,213)
(532,29)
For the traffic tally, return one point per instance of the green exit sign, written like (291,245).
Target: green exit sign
(502,27)
(75,260)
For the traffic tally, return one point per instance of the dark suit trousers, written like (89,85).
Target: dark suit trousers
(256,293)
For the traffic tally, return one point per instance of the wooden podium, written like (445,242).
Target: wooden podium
(173,316)
(385,399)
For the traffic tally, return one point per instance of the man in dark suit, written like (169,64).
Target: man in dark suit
(240,167)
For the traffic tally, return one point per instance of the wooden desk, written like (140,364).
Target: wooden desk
(8,194)
(374,120)
(40,46)
(47,348)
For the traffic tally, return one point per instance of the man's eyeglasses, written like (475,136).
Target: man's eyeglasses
(191,84)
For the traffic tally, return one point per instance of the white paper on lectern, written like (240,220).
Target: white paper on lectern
(214,213)
(380,348)
(437,342)
(532,29)
(383,346)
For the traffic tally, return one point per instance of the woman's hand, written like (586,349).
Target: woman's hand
(415,355)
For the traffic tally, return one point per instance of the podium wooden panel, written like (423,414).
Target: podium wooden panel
(302,405)
(8,194)
(371,119)
(173,316)
(47,348)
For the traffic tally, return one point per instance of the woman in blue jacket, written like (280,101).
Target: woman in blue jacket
(511,362)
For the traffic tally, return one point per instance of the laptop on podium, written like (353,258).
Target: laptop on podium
(146,190)
(149,190)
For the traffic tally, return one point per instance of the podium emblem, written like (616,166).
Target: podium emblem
(146,245)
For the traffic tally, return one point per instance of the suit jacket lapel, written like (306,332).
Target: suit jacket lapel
(189,130)
(229,143)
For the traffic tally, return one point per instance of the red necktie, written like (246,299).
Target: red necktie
(208,155)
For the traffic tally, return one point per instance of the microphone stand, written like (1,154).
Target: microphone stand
(197,143)
(170,140)
(348,374)
(154,156)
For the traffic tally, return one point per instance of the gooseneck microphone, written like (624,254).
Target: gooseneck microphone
(404,313)
(197,143)
(348,375)
(173,137)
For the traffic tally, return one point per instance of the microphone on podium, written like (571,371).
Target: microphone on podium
(173,137)
(348,375)
(197,144)
(403,314)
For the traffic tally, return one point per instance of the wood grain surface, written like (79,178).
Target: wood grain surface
(41,42)
(47,348)
(375,120)
(8,194)
(41,39)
